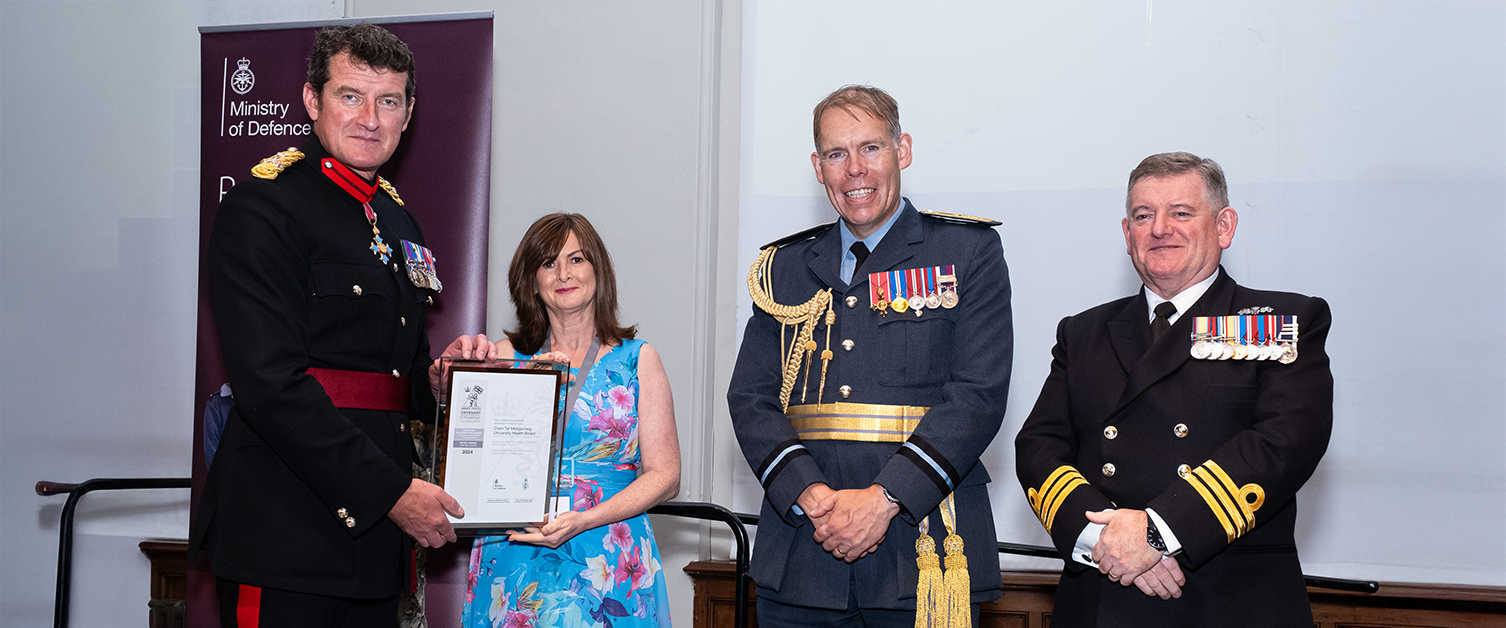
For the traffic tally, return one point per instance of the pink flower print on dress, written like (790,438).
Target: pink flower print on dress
(519,619)
(473,573)
(629,569)
(587,495)
(619,535)
(621,398)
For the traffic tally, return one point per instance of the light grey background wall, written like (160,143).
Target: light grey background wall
(1365,144)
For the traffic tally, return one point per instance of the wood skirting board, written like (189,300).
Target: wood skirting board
(1028,595)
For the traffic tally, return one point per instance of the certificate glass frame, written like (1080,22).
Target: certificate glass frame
(498,441)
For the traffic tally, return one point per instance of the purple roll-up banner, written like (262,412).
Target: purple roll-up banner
(252,107)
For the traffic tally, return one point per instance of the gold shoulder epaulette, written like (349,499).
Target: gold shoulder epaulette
(272,166)
(962,218)
(799,236)
(391,191)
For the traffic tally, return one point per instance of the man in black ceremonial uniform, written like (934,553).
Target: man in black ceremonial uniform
(320,284)
(1167,446)
(864,395)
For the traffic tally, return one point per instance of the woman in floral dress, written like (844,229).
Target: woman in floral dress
(597,564)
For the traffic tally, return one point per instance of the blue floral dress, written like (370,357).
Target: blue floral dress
(608,576)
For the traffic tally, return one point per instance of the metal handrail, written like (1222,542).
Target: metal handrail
(1041,551)
(714,512)
(65,525)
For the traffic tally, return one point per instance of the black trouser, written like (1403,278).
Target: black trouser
(245,606)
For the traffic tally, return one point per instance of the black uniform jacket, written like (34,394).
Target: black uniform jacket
(954,361)
(299,490)
(1118,417)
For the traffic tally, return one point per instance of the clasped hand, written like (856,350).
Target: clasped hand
(849,524)
(1124,555)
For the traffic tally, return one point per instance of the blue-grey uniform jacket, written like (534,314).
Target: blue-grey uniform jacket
(954,361)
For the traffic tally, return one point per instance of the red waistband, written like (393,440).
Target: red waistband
(368,391)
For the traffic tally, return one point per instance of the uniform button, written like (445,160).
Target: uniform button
(1108,469)
(341,513)
(429,300)
(394,267)
(847,344)
(350,522)
(1180,430)
(403,320)
(1184,471)
(918,312)
(852,302)
(402,427)
(356,289)
(1110,432)
(396,374)
(846,391)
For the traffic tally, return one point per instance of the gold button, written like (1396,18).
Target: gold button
(1108,469)
(852,301)
(341,513)
(402,427)
(356,289)
(429,300)
(350,522)
(1110,432)
(396,374)
(1184,471)
(846,391)
(403,320)
(394,267)
(1180,430)
(847,344)
(918,313)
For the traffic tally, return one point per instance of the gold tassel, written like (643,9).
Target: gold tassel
(928,589)
(957,584)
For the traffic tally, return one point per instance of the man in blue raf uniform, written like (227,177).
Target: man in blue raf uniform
(1166,449)
(863,410)
(320,283)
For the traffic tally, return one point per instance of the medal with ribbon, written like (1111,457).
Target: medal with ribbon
(421,266)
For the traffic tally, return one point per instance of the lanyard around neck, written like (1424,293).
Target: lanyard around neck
(585,368)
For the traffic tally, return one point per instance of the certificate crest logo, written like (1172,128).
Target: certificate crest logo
(473,397)
(243,79)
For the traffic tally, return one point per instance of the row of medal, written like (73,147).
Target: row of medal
(913,289)
(421,266)
(1262,337)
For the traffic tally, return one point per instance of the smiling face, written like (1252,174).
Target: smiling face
(859,163)
(361,114)
(567,283)
(1172,234)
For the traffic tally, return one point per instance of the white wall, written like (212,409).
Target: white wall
(1365,144)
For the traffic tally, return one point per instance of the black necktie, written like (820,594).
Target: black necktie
(860,251)
(1162,323)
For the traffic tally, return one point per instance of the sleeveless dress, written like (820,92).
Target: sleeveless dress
(608,576)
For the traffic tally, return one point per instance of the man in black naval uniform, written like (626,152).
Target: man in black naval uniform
(1167,446)
(894,374)
(309,504)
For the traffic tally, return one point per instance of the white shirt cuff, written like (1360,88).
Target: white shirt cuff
(1082,552)
(1172,544)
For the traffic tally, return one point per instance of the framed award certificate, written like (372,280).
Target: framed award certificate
(498,441)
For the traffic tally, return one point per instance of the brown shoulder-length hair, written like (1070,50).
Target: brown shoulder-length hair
(542,243)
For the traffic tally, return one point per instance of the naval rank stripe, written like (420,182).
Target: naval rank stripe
(1046,500)
(1233,505)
